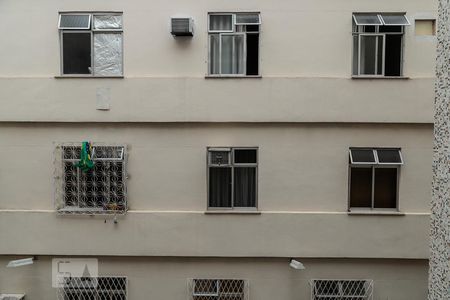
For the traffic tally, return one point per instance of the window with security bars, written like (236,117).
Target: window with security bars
(91,44)
(324,289)
(232,178)
(374,178)
(378,44)
(233,44)
(218,289)
(93,288)
(100,190)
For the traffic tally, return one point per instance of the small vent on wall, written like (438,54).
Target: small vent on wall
(182,27)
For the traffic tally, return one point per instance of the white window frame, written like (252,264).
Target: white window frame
(232,165)
(360,33)
(373,166)
(218,281)
(77,289)
(92,31)
(232,32)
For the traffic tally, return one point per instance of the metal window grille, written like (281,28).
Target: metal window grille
(101,190)
(325,289)
(218,289)
(93,288)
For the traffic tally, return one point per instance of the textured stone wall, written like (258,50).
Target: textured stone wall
(439,281)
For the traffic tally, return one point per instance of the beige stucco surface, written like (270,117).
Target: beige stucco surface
(167,278)
(303,177)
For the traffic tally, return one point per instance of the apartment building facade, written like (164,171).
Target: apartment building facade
(226,139)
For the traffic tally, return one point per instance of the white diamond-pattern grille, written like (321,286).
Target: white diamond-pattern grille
(93,288)
(101,190)
(218,289)
(324,289)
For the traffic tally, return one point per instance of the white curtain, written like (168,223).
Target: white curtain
(108,54)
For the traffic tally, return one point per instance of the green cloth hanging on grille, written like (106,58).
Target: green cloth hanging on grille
(85,163)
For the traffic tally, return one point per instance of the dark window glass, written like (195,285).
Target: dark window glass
(252,53)
(369,28)
(390,29)
(385,188)
(245,156)
(74,21)
(362,156)
(361,187)
(245,187)
(219,187)
(76,53)
(393,55)
(389,156)
(252,28)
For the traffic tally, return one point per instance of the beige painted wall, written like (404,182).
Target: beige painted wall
(303,171)
(306,51)
(166,278)
(305,38)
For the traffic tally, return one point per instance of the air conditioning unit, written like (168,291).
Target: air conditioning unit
(182,27)
(12,296)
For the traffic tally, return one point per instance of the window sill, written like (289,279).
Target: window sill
(379,77)
(231,76)
(232,212)
(375,213)
(85,77)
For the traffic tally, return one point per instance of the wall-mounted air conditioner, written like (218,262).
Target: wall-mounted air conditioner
(12,296)
(182,27)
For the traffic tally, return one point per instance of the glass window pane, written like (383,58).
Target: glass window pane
(395,20)
(245,187)
(247,19)
(214,54)
(361,187)
(221,22)
(245,156)
(232,54)
(107,22)
(108,54)
(385,188)
(389,156)
(368,54)
(393,55)
(219,187)
(366,19)
(252,54)
(362,156)
(380,55)
(76,53)
(219,157)
(355,54)
(75,22)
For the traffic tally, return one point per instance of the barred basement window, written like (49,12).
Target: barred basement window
(232,178)
(93,288)
(91,44)
(324,289)
(374,178)
(378,44)
(101,190)
(218,289)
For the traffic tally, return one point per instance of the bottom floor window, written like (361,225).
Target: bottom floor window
(218,289)
(324,289)
(93,288)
